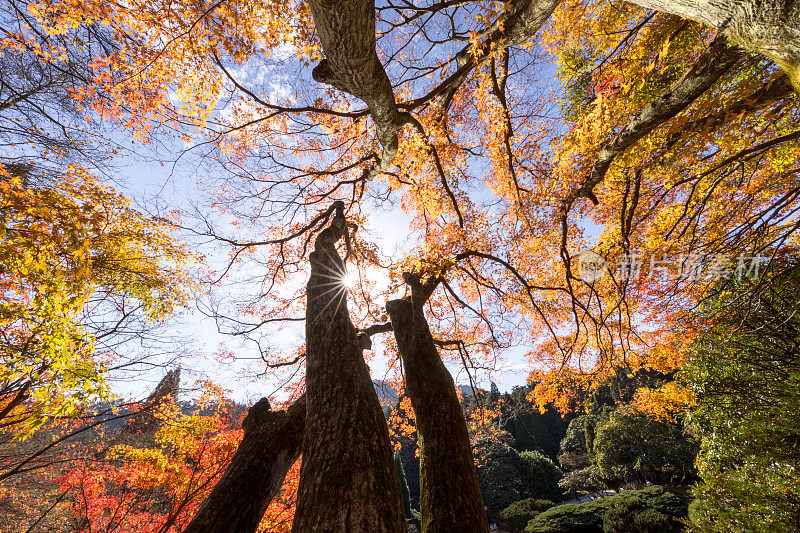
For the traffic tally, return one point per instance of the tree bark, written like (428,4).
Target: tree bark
(271,444)
(450,499)
(346,30)
(348,481)
(768,27)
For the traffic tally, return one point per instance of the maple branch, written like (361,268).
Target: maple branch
(769,27)
(772,91)
(633,31)
(716,60)
(378,328)
(351,64)
(759,148)
(347,33)
(521,22)
(184,33)
(438,164)
(745,155)
(322,219)
(285,363)
(278,108)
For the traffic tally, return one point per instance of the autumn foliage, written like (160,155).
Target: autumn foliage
(511,138)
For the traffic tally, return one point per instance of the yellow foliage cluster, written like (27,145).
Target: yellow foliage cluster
(65,248)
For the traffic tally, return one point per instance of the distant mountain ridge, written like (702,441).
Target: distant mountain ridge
(388,395)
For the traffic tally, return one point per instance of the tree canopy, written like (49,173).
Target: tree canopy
(581,178)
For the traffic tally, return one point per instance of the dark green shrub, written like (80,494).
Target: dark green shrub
(633,447)
(633,518)
(570,518)
(541,476)
(517,515)
(662,499)
(654,509)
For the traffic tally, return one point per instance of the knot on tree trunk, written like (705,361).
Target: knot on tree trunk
(323,73)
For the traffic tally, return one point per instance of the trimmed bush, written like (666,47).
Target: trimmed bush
(633,447)
(652,510)
(517,515)
(634,519)
(570,518)
(662,499)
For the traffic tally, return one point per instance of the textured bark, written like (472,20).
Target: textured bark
(768,95)
(271,444)
(346,30)
(716,60)
(769,27)
(348,481)
(450,500)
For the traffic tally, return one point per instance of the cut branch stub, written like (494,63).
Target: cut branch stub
(271,444)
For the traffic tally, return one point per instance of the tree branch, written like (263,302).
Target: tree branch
(715,61)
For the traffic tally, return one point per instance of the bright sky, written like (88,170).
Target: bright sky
(200,339)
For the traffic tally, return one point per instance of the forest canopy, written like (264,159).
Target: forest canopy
(601,195)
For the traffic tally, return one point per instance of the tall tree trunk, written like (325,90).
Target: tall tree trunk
(271,444)
(348,481)
(450,498)
(769,27)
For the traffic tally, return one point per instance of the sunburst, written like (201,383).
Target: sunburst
(339,282)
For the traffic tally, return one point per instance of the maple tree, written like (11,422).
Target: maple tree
(673,138)
(78,265)
(155,478)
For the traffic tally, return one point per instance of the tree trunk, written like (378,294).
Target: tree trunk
(348,481)
(769,27)
(450,498)
(271,444)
